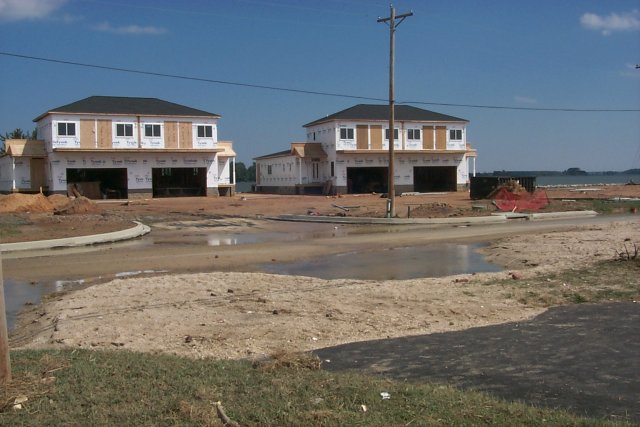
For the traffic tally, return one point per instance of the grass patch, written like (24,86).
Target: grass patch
(7,230)
(608,206)
(606,281)
(83,387)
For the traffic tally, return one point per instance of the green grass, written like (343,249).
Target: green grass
(606,281)
(133,389)
(606,206)
(7,230)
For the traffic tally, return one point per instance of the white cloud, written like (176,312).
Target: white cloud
(129,29)
(626,21)
(17,10)
(525,99)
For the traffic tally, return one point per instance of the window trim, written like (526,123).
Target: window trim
(152,126)
(453,133)
(349,133)
(124,128)
(204,128)
(66,126)
(411,133)
(396,134)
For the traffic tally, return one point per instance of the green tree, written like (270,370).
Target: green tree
(244,173)
(251,173)
(241,172)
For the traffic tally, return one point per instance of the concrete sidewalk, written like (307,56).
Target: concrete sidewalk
(67,242)
(491,219)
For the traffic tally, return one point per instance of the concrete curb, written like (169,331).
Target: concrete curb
(492,219)
(392,221)
(67,242)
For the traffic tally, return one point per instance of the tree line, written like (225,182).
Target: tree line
(244,173)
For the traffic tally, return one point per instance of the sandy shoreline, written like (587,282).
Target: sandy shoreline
(240,315)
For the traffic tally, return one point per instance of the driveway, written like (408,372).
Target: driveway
(582,358)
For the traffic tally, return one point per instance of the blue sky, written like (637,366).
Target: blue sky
(534,54)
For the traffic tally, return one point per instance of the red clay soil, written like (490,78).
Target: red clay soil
(26,217)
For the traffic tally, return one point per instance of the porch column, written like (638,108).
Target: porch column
(13,173)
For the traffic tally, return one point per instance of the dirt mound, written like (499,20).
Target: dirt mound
(58,201)
(38,203)
(79,205)
(17,202)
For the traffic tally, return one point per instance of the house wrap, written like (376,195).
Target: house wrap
(124,147)
(347,152)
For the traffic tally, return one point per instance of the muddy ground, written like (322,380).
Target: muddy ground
(226,314)
(29,217)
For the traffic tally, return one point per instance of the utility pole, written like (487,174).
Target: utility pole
(5,364)
(391,21)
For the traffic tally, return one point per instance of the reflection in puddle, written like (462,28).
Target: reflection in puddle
(391,264)
(231,239)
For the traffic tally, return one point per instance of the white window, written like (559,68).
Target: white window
(268,169)
(395,134)
(152,131)
(346,133)
(66,129)
(315,170)
(455,134)
(205,131)
(413,134)
(124,129)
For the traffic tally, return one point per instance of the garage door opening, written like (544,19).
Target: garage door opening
(179,182)
(108,183)
(366,180)
(434,178)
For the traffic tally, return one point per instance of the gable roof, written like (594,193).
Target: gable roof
(24,148)
(374,112)
(299,149)
(121,105)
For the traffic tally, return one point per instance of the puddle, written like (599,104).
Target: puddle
(244,237)
(391,264)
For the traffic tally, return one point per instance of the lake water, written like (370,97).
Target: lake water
(559,180)
(586,179)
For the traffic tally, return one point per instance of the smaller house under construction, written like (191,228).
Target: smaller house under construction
(347,152)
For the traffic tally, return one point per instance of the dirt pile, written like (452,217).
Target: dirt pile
(79,205)
(13,203)
(38,203)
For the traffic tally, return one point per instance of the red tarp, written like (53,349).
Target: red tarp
(508,201)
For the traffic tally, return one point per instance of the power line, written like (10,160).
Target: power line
(311,92)
(198,79)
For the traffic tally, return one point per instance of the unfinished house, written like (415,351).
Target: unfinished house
(350,154)
(124,147)
(294,171)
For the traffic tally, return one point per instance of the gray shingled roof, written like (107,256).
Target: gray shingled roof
(127,106)
(364,112)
